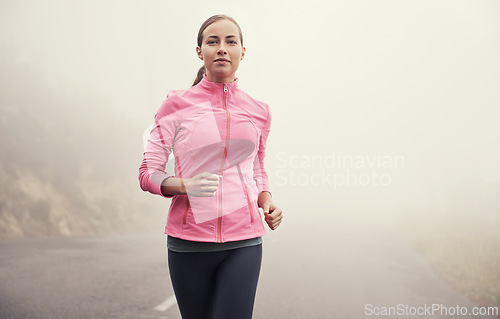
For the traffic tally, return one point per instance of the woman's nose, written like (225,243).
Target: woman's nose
(222,50)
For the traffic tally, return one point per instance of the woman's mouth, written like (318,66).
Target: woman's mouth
(221,61)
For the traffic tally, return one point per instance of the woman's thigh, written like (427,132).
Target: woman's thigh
(236,285)
(193,278)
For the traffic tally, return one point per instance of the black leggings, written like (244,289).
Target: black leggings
(216,285)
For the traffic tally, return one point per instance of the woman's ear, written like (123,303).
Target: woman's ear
(198,52)
(242,53)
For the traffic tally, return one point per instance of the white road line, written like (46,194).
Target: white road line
(169,302)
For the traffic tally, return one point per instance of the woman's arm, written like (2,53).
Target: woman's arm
(272,214)
(173,186)
(152,175)
(259,172)
(157,149)
(202,185)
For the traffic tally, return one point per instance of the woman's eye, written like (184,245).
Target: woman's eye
(232,42)
(211,42)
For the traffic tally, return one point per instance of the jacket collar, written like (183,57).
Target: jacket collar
(214,86)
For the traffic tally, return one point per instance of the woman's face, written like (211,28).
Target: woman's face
(221,51)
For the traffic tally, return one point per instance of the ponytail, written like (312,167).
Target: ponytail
(199,76)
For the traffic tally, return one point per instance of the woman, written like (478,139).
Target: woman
(218,134)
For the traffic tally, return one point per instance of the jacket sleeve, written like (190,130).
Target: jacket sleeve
(259,172)
(158,148)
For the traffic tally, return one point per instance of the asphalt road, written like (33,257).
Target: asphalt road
(344,270)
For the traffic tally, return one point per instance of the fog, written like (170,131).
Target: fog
(380,109)
(384,121)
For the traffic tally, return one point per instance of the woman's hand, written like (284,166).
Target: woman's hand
(202,185)
(272,214)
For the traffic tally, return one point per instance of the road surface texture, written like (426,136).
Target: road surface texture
(343,269)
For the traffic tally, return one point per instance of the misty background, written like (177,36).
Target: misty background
(407,90)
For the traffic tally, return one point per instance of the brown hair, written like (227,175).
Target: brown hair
(205,25)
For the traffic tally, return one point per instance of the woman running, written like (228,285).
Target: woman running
(218,136)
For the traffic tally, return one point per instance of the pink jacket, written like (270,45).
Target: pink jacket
(216,128)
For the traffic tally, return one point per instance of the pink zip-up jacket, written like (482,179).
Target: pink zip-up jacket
(216,128)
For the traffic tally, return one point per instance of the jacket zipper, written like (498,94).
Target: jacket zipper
(224,159)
